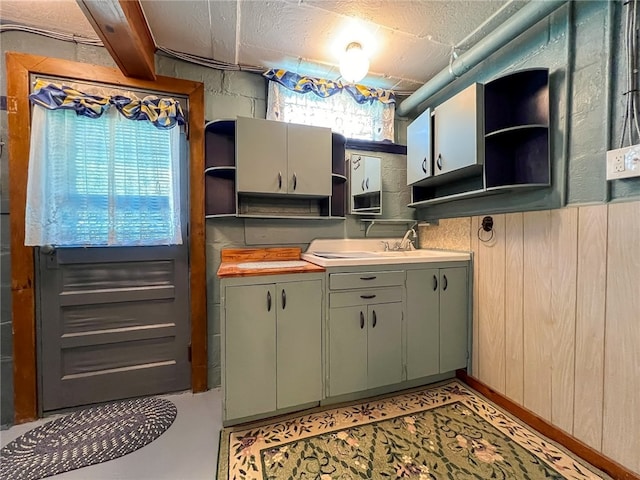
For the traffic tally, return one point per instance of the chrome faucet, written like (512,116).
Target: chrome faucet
(405,243)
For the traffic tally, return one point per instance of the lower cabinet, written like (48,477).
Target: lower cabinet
(272,351)
(437,321)
(454,319)
(365,347)
(379,323)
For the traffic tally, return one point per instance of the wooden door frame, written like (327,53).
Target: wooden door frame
(19,68)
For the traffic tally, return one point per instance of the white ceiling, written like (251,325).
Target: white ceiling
(408,41)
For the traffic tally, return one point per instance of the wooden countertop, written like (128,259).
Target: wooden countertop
(232,257)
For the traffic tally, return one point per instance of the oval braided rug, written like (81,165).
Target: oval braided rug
(86,437)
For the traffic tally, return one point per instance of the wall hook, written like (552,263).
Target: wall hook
(486,226)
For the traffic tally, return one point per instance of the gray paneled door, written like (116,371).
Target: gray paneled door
(114,323)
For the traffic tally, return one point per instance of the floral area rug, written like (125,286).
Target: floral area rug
(444,432)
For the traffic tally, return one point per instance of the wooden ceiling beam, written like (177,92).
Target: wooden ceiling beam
(123,29)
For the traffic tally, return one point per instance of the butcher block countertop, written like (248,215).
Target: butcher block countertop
(247,262)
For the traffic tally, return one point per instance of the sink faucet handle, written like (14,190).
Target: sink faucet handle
(385,244)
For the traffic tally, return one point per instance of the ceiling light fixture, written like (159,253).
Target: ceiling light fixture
(354,64)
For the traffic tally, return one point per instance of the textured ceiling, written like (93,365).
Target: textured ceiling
(407,41)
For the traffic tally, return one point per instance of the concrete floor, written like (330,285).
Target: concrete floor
(187,450)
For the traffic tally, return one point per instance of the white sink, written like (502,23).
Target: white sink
(353,252)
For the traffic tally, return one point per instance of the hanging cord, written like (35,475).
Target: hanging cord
(631,112)
(95,42)
(486,226)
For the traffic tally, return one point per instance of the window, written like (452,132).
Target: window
(102,181)
(340,112)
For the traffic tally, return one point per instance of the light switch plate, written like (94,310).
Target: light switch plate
(623,162)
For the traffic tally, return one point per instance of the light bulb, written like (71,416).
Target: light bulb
(354,64)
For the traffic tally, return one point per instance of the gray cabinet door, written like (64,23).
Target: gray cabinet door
(299,340)
(423,323)
(419,148)
(347,350)
(250,350)
(458,131)
(373,174)
(366,174)
(454,301)
(384,349)
(309,155)
(261,156)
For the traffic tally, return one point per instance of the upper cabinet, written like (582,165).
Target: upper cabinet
(457,134)
(278,158)
(366,184)
(419,148)
(486,139)
(261,156)
(268,169)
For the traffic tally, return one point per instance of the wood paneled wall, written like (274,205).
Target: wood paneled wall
(557,320)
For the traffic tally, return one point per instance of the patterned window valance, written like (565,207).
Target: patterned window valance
(161,112)
(326,88)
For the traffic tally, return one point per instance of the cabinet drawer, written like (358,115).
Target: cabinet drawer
(343,281)
(365,297)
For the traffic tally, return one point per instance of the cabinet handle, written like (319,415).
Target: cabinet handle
(284,299)
(295,180)
(363,184)
(279,180)
(435,283)
(375,320)
(368,278)
(367,184)
(424,165)
(268,301)
(446,282)
(361,320)
(439,162)
(367,297)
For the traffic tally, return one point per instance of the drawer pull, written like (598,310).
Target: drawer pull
(368,278)
(284,299)
(361,320)
(268,301)
(367,297)
(375,319)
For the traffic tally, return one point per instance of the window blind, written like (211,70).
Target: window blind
(103,181)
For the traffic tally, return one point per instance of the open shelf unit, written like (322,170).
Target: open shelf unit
(338,176)
(223,200)
(220,168)
(516,118)
(515,143)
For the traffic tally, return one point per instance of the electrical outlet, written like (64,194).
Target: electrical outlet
(623,162)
